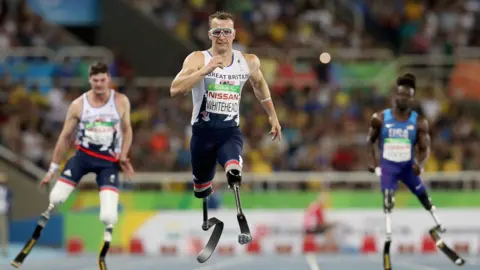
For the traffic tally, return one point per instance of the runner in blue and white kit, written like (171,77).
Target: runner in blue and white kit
(398,131)
(216,78)
(101,117)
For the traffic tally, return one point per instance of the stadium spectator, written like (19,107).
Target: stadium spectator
(324,124)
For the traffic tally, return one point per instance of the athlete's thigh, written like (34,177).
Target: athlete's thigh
(230,151)
(107,174)
(389,180)
(75,168)
(413,181)
(203,157)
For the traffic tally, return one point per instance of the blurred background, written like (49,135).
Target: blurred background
(324,108)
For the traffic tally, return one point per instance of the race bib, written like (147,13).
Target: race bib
(397,149)
(100,133)
(223,99)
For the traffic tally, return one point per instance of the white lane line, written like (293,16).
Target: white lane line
(312,262)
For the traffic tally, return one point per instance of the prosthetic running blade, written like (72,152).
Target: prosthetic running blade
(101,258)
(18,261)
(387,263)
(244,237)
(452,255)
(212,243)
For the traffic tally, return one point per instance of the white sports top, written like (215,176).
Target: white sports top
(216,98)
(99,131)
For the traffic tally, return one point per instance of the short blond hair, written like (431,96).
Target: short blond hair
(220,15)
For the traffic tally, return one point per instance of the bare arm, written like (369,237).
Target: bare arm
(71,121)
(373,134)
(260,86)
(127,132)
(190,74)
(423,142)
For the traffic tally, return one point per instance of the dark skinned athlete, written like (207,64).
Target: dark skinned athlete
(398,131)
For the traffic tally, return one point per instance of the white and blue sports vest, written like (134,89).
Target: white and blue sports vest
(99,131)
(216,98)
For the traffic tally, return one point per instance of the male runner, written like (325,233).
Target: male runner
(216,78)
(104,136)
(399,131)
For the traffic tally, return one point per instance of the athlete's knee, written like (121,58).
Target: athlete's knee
(388,200)
(108,207)
(202,188)
(233,169)
(425,201)
(234,176)
(60,192)
(234,164)
(109,216)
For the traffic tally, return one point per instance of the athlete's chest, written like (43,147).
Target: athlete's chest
(398,140)
(223,88)
(225,84)
(99,127)
(91,116)
(104,119)
(395,130)
(233,76)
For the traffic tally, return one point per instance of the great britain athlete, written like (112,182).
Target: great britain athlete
(216,77)
(101,118)
(398,132)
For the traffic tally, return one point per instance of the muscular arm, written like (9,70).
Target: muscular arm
(373,133)
(260,86)
(190,74)
(71,121)
(126,127)
(423,142)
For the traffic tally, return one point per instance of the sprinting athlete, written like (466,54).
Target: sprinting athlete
(398,131)
(101,117)
(216,77)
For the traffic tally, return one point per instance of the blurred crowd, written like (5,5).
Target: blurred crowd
(283,24)
(413,26)
(324,129)
(425,26)
(20,27)
(324,126)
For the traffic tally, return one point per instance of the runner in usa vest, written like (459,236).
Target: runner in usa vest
(216,98)
(398,131)
(397,139)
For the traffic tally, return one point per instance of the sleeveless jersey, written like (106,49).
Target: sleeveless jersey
(99,131)
(216,98)
(398,138)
